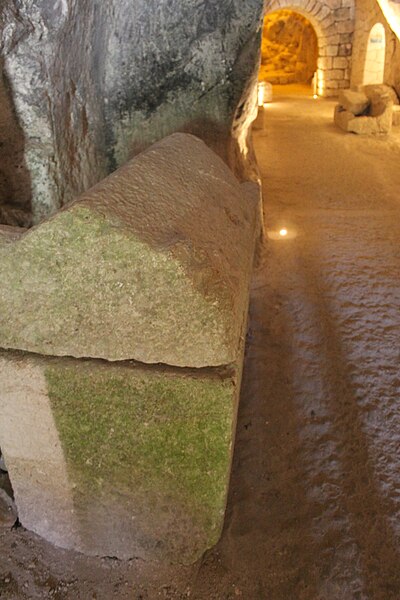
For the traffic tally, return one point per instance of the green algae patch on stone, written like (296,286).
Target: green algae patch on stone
(153,264)
(148,455)
(111,305)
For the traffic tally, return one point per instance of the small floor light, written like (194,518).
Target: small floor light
(283,232)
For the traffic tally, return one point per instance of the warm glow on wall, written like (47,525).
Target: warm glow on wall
(320,82)
(264,93)
(391,10)
(261,87)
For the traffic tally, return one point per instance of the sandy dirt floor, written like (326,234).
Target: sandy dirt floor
(314,503)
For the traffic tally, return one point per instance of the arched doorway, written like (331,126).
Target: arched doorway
(374,67)
(334,38)
(289,50)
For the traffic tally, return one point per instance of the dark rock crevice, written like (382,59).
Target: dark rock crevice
(15,180)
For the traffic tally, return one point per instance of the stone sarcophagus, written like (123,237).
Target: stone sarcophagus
(122,327)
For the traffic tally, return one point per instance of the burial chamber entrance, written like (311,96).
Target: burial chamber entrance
(302,44)
(289,50)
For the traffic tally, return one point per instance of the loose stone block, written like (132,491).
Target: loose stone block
(363,125)
(152,264)
(355,102)
(116,459)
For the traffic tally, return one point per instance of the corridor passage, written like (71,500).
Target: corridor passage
(315,502)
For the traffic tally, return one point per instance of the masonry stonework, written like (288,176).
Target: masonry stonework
(333,21)
(368,14)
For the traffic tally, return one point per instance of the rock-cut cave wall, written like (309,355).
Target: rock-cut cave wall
(92,83)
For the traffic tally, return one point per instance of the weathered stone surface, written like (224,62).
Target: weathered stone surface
(340,62)
(355,102)
(396,116)
(363,125)
(117,460)
(376,117)
(342,117)
(96,82)
(8,511)
(368,15)
(381,90)
(153,264)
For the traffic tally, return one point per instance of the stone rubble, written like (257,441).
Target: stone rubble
(356,103)
(367,112)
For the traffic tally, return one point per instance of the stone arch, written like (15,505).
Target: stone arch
(374,63)
(334,29)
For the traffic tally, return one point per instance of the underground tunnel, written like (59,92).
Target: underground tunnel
(199,299)
(289,50)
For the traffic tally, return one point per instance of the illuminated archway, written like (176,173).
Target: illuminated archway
(334,47)
(289,50)
(374,67)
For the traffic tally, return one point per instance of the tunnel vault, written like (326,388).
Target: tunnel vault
(289,50)
(334,33)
